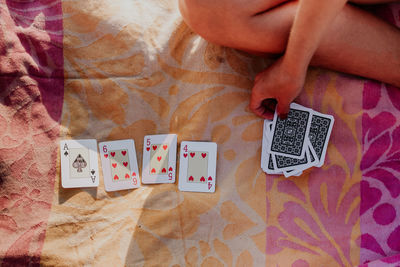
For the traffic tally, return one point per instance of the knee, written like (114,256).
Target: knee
(211,19)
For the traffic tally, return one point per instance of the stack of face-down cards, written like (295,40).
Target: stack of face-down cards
(297,143)
(79,163)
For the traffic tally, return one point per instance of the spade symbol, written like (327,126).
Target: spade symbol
(79,163)
(66,153)
(92,171)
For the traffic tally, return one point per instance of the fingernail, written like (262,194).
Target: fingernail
(283,116)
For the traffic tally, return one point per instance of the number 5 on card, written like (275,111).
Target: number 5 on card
(159,159)
(197,166)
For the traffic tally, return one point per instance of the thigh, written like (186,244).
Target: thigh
(372,2)
(226,22)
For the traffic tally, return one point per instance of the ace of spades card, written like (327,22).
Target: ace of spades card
(159,159)
(197,167)
(119,164)
(79,166)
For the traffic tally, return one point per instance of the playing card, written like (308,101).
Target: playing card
(268,129)
(266,160)
(292,173)
(79,166)
(159,159)
(289,135)
(283,163)
(287,163)
(271,167)
(197,166)
(119,164)
(320,132)
(264,153)
(313,154)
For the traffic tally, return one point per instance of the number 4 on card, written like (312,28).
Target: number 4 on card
(197,166)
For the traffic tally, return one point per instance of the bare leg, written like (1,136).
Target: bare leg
(372,2)
(356,42)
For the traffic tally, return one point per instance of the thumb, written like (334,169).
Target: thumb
(283,109)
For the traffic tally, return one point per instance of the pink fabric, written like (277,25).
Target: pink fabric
(333,220)
(31,97)
(380,188)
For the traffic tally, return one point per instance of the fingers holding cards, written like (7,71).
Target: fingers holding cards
(119,164)
(159,159)
(79,166)
(197,166)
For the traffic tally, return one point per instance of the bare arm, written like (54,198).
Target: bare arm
(284,80)
(312,19)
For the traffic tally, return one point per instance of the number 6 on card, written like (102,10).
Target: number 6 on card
(159,159)
(120,170)
(197,166)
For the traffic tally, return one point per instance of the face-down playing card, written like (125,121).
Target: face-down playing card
(119,164)
(266,158)
(159,159)
(197,167)
(79,166)
(320,132)
(283,164)
(288,137)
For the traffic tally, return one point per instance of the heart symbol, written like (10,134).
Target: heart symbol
(154,147)
(164,170)
(164,147)
(127,176)
(148,148)
(203,155)
(116,177)
(114,165)
(153,170)
(125,163)
(133,174)
(159,158)
(191,178)
(123,152)
(170,169)
(106,155)
(112,154)
(192,154)
(210,178)
(184,155)
(202,179)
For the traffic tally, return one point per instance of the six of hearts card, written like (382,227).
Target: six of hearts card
(119,164)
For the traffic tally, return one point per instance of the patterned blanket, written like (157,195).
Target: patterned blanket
(114,70)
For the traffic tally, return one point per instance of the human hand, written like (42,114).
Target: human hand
(277,86)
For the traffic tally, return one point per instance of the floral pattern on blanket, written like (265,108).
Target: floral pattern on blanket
(132,68)
(128,75)
(31,95)
(380,188)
